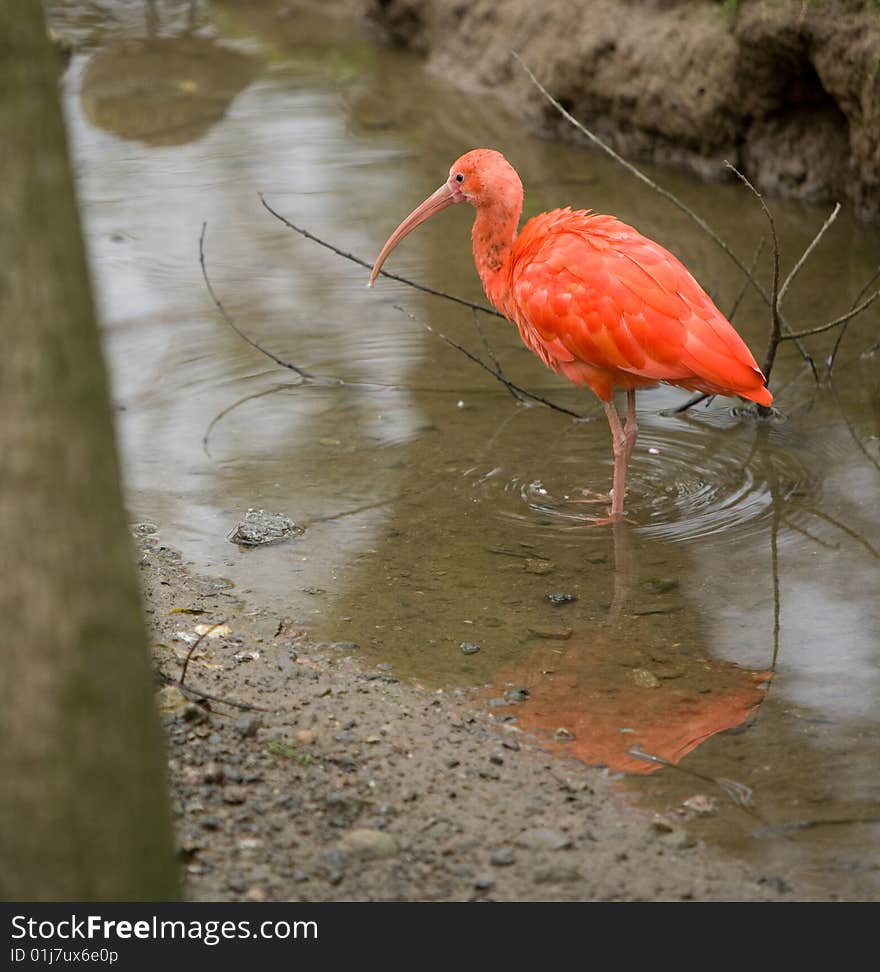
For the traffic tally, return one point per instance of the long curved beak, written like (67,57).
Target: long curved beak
(443,197)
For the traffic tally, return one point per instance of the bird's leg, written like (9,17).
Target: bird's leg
(623,438)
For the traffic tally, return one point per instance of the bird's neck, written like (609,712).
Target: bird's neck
(493,235)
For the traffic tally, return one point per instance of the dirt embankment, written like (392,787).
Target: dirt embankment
(788,90)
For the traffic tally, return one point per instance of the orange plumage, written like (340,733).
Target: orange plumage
(609,308)
(593,298)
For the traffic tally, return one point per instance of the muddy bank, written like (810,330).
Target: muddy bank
(347,784)
(788,91)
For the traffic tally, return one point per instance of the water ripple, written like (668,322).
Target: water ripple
(716,475)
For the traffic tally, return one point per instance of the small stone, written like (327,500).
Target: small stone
(369,844)
(558,597)
(468,648)
(563,735)
(645,679)
(255,894)
(516,694)
(144,529)
(496,759)
(170,698)
(247,726)
(213,773)
(345,645)
(305,736)
(260,527)
(484,882)
(534,565)
(234,795)
(543,838)
(700,803)
(503,857)
(194,713)
(662,825)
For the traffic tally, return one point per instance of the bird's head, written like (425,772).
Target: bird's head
(482,177)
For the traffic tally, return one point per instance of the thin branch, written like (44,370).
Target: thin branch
(188,690)
(796,269)
(384,273)
(499,371)
(231,408)
(225,315)
(479,361)
(734,307)
(837,343)
(193,647)
(865,304)
(775,322)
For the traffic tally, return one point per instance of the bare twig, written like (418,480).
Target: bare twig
(231,408)
(193,647)
(225,315)
(188,690)
(384,273)
(837,343)
(479,361)
(796,269)
(865,304)
(734,307)
(499,371)
(775,322)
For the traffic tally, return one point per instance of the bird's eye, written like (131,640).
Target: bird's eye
(459,177)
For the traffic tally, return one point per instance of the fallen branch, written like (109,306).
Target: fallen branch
(511,387)
(193,647)
(835,323)
(383,273)
(223,313)
(195,693)
(837,343)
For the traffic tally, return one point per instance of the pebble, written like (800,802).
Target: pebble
(248,725)
(559,597)
(194,713)
(535,566)
(484,882)
(517,694)
(543,838)
(645,679)
(496,759)
(503,857)
(369,844)
(468,648)
(563,735)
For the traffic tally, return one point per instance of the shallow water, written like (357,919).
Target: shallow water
(438,511)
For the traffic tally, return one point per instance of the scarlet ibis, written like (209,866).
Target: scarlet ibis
(594,299)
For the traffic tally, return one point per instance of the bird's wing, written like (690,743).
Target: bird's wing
(596,290)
